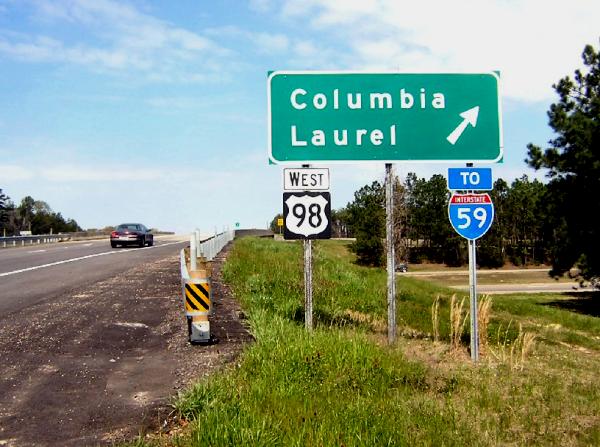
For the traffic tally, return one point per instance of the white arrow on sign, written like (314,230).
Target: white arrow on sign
(469,117)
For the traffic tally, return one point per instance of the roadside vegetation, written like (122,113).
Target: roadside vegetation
(344,385)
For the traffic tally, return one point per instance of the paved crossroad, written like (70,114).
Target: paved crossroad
(529,287)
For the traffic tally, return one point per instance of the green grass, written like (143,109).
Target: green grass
(322,389)
(344,385)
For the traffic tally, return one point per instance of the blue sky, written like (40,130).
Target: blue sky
(155,111)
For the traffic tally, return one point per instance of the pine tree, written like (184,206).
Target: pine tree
(573,163)
(366,217)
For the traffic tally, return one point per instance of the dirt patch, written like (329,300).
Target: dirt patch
(100,364)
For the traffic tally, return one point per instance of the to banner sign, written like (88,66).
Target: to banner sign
(471,215)
(474,179)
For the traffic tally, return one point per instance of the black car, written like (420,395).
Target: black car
(131,234)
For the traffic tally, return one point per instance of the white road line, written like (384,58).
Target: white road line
(66,261)
(37,251)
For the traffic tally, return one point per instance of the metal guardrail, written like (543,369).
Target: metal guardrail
(13,241)
(207,248)
(210,248)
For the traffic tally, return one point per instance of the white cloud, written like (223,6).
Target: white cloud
(79,174)
(74,173)
(116,37)
(271,43)
(261,42)
(532,42)
(172,197)
(12,173)
(186,103)
(261,5)
(311,55)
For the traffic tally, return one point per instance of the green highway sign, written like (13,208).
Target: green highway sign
(384,117)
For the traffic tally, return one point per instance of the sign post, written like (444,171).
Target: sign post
(471,215)
(308,301)
(391,256)
(473,300)
(307,216)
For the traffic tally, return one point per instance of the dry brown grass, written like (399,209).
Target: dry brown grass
(457,322)
(484,308)
(514,353)
(435,319)
(376,324)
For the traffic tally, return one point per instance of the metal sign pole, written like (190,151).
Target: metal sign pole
(308,302)
(473,293)
(391,261)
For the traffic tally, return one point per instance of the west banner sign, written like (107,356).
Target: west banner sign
(305,179)
(383,117)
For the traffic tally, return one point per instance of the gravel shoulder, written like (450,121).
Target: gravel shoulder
(101,363)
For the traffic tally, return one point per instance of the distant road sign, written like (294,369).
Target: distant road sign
(354,116)
(471,215)
(307,215)
(280,222)
(306,179)
(473,179)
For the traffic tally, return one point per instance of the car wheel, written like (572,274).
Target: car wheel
(151,243)
(142,242)
(113,244)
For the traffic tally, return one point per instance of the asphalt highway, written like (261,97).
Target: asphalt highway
(35,273)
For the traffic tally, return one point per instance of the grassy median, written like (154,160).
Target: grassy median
(537,382)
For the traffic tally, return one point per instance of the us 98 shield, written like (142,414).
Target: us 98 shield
(307,215)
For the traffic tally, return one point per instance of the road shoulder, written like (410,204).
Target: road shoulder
(100,364)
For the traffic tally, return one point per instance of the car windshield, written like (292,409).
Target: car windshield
(129,227)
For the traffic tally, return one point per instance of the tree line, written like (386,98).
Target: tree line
(423,233)
(31,215)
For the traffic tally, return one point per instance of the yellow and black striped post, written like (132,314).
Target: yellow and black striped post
(197,297)
(197,304)
(197,300)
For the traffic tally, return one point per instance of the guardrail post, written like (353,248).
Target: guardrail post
(193,252)
(197,299)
